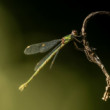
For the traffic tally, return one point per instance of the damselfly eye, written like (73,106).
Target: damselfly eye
(74,33)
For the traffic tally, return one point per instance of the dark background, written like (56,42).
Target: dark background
(73,82)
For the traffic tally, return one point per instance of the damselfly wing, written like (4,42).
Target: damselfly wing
(40,47)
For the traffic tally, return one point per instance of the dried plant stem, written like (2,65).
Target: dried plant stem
(92,57)
(107,91)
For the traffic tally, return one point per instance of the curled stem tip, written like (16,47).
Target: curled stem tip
(85,22)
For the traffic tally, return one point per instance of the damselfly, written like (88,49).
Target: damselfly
(44,47)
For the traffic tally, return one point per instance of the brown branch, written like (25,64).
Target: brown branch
(92,56)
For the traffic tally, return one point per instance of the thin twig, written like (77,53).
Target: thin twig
(92,56)
(83,32)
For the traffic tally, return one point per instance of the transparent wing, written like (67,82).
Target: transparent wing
(40,47)
(47,57)
(54,59)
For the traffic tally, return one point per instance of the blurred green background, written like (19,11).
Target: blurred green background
(73,83)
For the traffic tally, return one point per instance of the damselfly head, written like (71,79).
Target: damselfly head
(74,33)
